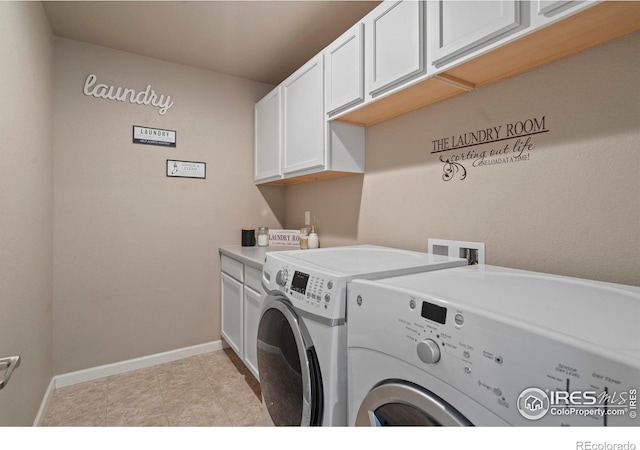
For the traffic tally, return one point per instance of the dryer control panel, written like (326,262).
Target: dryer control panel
(526,375)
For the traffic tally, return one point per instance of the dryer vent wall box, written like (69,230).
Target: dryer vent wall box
(471,251)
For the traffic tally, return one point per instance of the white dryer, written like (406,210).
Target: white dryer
(302,338)
(485,345)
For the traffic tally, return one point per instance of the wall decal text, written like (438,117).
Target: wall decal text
(520,133)
(120,94)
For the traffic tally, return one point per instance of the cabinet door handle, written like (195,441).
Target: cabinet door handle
(8,364)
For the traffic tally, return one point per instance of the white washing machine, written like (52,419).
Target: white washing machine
(485,345)
(302,339)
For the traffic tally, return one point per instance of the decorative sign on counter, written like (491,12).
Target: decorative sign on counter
(520,133)
(285,238)
(154,136)
(186,169)
(120,94)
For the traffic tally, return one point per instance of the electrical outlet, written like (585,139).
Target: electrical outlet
(471,251)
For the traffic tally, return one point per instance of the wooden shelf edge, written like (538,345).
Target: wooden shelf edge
(589,28)
(586,29)
(325,175)
(423,93)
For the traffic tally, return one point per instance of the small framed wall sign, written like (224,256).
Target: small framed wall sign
(186,169)
(154,136)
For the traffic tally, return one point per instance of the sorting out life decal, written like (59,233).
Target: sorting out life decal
(503,144)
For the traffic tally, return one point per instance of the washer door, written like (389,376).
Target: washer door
(400,403)
(290,377)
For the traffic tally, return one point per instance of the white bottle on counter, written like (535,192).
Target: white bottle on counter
(313,241)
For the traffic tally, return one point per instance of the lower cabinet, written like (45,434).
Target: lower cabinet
(241,306)
(232,302)
(252,307)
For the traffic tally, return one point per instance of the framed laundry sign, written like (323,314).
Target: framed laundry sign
(186,169)
(154,136)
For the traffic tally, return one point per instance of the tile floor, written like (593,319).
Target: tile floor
(213,389)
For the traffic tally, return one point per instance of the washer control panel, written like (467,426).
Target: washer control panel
(308,290)
(496,361)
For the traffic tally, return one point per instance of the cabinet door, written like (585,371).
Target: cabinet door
(232,300)
(548,6)
(344,70)
(268,142)
(456,27)
(252,306)
(394,44)
(304,121)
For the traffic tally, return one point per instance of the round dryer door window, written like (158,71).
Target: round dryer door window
(404,404)
(289,373)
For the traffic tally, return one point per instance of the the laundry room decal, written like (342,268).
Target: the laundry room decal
(509,143)
(145,97)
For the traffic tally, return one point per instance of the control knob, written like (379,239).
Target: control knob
(428,351)
(282,277)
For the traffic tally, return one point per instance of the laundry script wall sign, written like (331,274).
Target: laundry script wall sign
(146,97)
(503,144)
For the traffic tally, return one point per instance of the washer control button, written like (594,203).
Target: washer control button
(329,284)
(459,319)
(282,277)
(428,351)
(327,298)
(467,369)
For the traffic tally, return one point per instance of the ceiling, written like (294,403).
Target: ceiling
(264,40)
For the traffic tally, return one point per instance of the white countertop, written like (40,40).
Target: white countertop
(254,256)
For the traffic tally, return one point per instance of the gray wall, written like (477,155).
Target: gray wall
(572,208)
(136,263)
(26,205)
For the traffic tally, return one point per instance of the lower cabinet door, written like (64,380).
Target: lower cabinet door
(252,307)
(232,312)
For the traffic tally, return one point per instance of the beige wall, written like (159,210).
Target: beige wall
(573,208)
(136,253)
(26,205)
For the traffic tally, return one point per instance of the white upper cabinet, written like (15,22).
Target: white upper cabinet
(394,44)
(304,122)
(268,138)
(549,6)
(455,27)
(344,70)
(294,140)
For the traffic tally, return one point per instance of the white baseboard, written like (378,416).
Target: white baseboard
(95,373)
(44,405)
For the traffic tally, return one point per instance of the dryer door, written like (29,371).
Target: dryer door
(399,403)
(289,372)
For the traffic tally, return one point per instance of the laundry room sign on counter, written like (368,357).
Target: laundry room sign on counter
(503,144)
